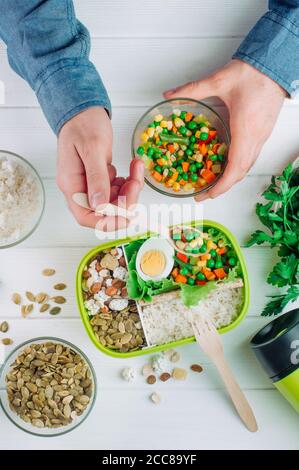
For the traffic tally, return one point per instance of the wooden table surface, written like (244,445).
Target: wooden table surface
(142,48)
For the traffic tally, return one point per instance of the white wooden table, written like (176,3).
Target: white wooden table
(142,48)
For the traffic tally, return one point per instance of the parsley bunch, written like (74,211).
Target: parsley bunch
(281,216)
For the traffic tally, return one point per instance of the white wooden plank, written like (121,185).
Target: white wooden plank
(26,132)
(235,343)
(235,209)
(159,66)
(169,18)
(31,261)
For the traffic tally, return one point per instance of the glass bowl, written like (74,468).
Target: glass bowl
(28,427)
(36,216)
(166,108)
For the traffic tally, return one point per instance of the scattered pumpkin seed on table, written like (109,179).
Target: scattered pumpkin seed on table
(4,327)
(60,286)
(48,272)
(16,298)
(196,368)
(41,297)
(30,296)
(165,376)
(44,308)
(155,398)
(7,341)
(58,299)
(55,310)
(179,374)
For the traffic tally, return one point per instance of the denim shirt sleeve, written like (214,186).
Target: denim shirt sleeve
(49,48)
(272,46)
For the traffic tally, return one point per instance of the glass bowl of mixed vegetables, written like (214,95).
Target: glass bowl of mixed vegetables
(183,144)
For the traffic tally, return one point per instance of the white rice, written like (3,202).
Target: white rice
(167,320)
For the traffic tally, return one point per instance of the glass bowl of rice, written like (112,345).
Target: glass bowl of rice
(22,199)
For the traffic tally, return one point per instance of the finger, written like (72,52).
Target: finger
(134,183)
(238,165)
(112,172)
(199,89)
(97,176)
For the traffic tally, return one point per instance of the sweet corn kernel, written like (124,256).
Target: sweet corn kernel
(201,264)
(176,186)
(179,122)
(180,153)
(197,134)
(169,125)
(159,129)
(158,118)
(163,124)
(144,137)
(205,129)
(150,131)
(188,187)
(177,112)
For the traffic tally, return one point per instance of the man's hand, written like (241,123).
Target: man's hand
(85,165)
(254,102)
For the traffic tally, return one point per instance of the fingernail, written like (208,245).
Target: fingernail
(97,199)
(173,90)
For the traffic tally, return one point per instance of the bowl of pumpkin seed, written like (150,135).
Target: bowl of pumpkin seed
(47,386)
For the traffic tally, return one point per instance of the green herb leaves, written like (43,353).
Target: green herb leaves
(281,217)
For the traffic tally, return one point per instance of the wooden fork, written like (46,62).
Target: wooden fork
(208,338)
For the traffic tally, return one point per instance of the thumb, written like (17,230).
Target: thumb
(198,89)
(97,178)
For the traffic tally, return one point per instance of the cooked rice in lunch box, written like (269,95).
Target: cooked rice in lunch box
(166,318)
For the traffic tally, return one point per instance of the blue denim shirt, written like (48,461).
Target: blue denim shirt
(272,46)
(49,48)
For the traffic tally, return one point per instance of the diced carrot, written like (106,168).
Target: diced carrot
(203,149)
(220,273)
(175,176)
(161,161)
(182,182)
(169,183)
(221,251)
(175,272)
(209,164)
(185,166)
(157,176)
(212,133)
(215,147)
(174,129)
(205,257)
(209,274)
(184,238)
(171,148)
(182,257)
(181,279)
(188,117)
(208,175)
(200,283)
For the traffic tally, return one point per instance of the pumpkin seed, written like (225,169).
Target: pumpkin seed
(165,376)
(4,327)
(16,298)
(60,286)
(44,308)
(7,341)
(175,357)
(30,296)
(41,297)
(48,272)
(58,299)
(55,310)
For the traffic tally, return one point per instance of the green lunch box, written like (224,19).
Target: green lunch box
(276,346)
(152,349)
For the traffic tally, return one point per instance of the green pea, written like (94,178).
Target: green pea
(192,125)
(188,249)
(185,176)
(204,136)
(189,152)
(210,263)
(183,130)
(231,254)
(194,177)
(203,248)
(179,169)
(199,164)
(159,142)
(193,139)
(191,147)
(195,250)
(218,264)
(191,281)
(140,150)
(156,123)
(174,164)
(165,131)
(214,158)
(158,168)
(152,124)
(232,261)
(183,114)
(202,124)
(221,158)
(150,152)
(184,271)
(192,168)
(180,161)
(213,253)
(189,235)
(200,276)
(173,116)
